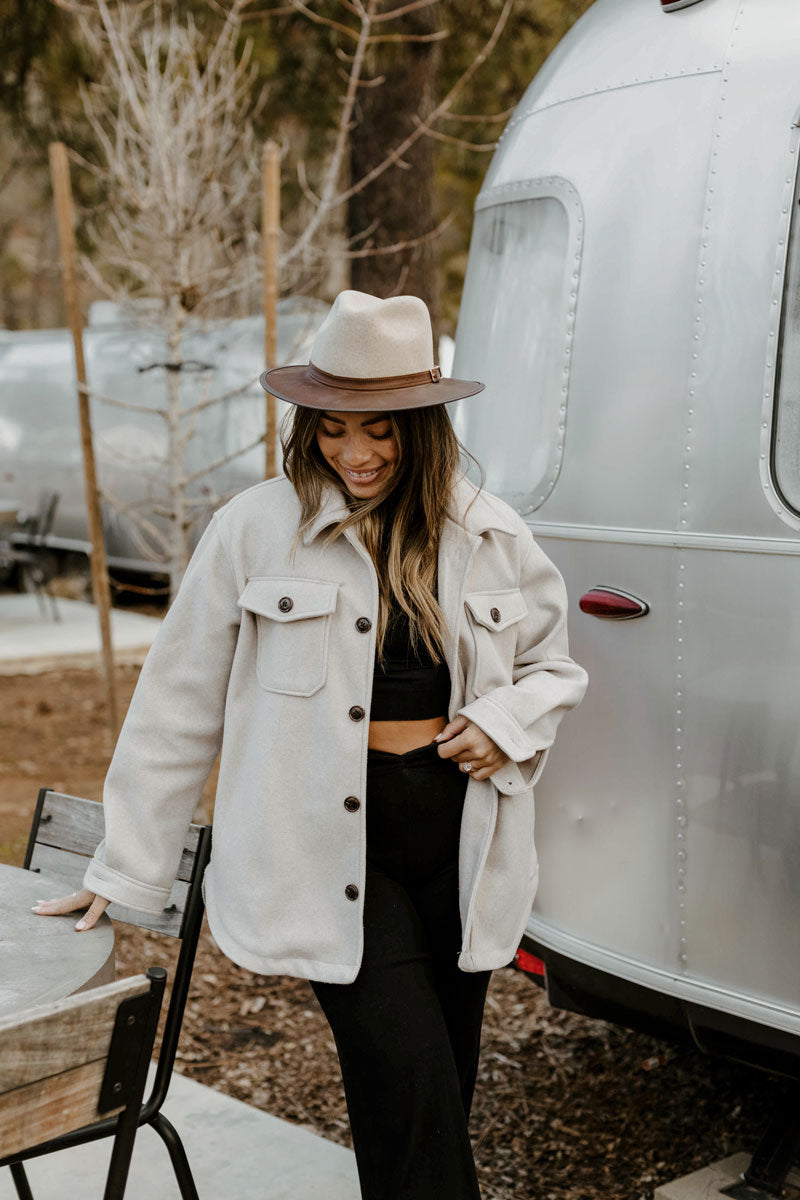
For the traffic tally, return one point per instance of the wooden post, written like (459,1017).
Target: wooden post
(59,170)
(270,230)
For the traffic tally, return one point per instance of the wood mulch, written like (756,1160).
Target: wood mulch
(566,1108)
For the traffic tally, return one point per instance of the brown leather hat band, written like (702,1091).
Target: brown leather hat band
(382,383)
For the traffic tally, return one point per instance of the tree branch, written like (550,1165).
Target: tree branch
(454,141)
(394,13)
(228,458)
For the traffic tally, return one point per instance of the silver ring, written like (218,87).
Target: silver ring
(466,767)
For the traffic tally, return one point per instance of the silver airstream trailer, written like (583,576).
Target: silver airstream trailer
(125,356)
(633,300)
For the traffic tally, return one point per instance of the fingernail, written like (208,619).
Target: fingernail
(37,906)
(81,925)
(438,737)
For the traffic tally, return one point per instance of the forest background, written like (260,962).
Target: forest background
(299,72)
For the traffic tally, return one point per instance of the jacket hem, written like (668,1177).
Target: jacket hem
(487,962)
(262,964)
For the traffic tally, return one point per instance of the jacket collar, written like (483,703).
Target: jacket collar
(481,516)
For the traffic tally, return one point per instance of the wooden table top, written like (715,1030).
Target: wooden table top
(45,958)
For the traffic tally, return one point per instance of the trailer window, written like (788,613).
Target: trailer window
(514,333)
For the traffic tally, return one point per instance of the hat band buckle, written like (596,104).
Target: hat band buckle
(381,383)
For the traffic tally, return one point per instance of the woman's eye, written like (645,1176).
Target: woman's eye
(325,433)
(380,437)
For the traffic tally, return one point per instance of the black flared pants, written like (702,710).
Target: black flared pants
(407,1030)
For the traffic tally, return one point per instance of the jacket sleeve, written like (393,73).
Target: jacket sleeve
(171,735)
(522,717)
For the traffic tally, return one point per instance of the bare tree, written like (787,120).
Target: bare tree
(179,167)
(362,26)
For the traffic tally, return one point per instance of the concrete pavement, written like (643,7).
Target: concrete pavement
(236,1153)
(32,642)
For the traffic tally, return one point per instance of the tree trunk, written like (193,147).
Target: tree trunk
(176,469)
(402,201)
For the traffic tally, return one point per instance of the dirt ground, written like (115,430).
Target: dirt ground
(566,1108)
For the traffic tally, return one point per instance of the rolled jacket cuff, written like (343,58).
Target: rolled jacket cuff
(121,889)
(526,761)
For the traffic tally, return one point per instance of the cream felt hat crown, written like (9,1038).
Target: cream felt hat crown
(370,355)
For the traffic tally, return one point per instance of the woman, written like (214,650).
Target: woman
(379,649)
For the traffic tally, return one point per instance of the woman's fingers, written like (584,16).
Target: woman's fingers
(467,746)
(472,746)
(96,910)
(80,899)
(457,725)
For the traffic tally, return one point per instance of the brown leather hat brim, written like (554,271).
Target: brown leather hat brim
(296,386)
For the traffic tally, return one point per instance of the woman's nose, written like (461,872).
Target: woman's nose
(355,453)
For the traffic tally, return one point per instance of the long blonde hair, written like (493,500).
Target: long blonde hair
(402,525)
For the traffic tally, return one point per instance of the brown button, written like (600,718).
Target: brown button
(285,604)
(494,613)
(356,713)
(363,624)
(352,804)
(351,891)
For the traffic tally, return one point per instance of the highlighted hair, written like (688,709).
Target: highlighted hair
(401,526)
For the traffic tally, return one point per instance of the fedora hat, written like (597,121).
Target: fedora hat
(370,355)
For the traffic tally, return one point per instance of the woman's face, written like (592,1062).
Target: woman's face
(360,447)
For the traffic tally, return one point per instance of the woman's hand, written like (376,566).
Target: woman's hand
(97,905)
(467,744)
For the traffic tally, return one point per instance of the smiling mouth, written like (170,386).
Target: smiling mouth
(363,476)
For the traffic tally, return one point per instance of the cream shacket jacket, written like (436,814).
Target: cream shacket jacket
(269,660)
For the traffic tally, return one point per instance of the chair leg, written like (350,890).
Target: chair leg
(180,1163)
(21,1181)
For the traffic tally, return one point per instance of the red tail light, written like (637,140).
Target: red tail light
(671,5)
(529,963)
(609,602)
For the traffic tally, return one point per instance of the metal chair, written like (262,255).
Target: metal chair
(68,1063)
(64,833)
(29,550)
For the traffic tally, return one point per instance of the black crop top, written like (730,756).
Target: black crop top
(409,687)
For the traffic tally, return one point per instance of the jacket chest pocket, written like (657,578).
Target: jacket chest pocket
(293,619)
(493,618)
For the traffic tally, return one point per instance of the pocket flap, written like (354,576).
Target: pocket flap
(289,599)
(497,610)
